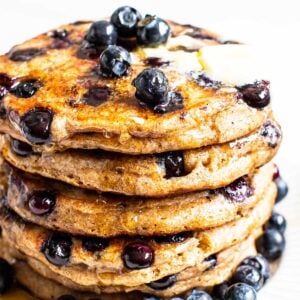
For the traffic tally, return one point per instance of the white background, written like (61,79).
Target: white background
(272,25)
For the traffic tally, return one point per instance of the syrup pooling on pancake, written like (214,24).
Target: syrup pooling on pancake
(102,37)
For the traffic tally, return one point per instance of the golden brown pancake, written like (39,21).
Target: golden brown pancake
(120,124)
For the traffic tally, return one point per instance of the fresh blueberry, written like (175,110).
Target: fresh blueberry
(20,148)
(239,190)
(153,31)
(174,101)
(137,256)
(240,291)
(6,276)
(172,163)
(198,295)
(114,61)
(42,202)
(256,95)
(172,239)
(163,283)
(58,248)
(277,221)
(26,54)
(94,244)
(96,95)
(150,297)
(125,19)
(219,290)
(271,244)
(66,297)
(282,189)
(151,86)
(259,263)
(102,34)
(249,275)
(36,125)
(25,89)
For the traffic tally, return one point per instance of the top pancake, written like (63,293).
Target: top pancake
(121,124)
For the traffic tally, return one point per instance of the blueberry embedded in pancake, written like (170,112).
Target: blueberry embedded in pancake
(26,54)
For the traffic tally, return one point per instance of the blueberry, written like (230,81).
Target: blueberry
(114,61)
(151,86)
(240,291)
(26,54)
(137,256)
(153,31)
(219,290)
(36,125)
(174,101)
(276,173)
(256,95)
(102,33)
(212,261)
(3,92)
(94,244)
(238,191)
(125,19)
(42,202)
(204,81)
(271,244)
(6,81)
(58,248)
(249,275)
(163,283)
(271,134)
(6,276)
(20,148)
(59,34)
(172,239)
(259,263)
(282,189)
(96,95)
(172,163)
(156,62)
(150,297)
(25,89)
(277,221)
(198,295)
(88,50)
(66,297)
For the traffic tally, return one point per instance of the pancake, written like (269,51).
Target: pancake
(107,267)
(62,80)
(153,175)
(205,278)
(108,215)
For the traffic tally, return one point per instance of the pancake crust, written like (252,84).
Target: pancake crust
(227,261)
(121,124)
(205,168)
(88,269)
(110,215)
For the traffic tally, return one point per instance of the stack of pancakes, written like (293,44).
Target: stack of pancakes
(109,197)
